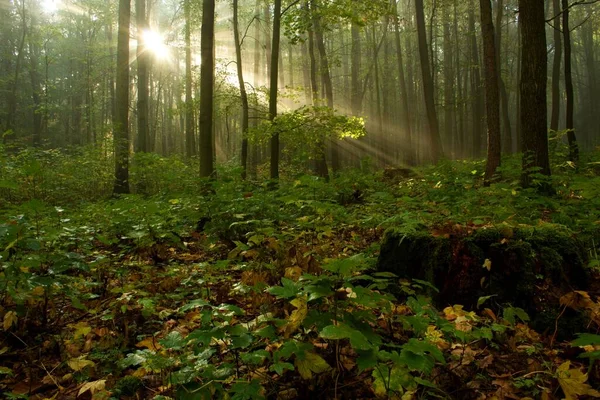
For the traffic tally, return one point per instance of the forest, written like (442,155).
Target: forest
(299,199)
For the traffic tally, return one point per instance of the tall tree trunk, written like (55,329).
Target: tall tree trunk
(407,147)
(555,114)
(449,92)
(207,80)
(190,133)
(36,91)
(143,75)
(326,74)
(492,95)
(321,168)
(476,95)
(242,84)
(121,122)
(434,134)
(533,91)
(504,108)
(356,97)
(12,99)
(275,44)
(570,126)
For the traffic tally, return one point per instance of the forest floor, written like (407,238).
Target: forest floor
(238,291)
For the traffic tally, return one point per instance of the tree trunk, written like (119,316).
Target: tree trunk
(190,133)
(476,95)
(408,149)
(492,95)
(242,83)
(273,87)
(143,76)
(555,114)
(121,122)
(534,75)
(570,126)
(207,78)
(356,97)
(504,108)
(434,135)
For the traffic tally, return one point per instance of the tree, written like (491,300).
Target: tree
(492,94)
(273,79)
(534,75)
(121,122)
(555,115)
(434,134)
(570,125)
(190,134)
(143,75)
(207,82)
(242,83)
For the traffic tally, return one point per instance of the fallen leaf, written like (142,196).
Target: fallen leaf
(92,387)
(573,382)
(296,317)
(77,364)
(150,344)
(10,319)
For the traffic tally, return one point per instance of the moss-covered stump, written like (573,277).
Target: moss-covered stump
(527,266)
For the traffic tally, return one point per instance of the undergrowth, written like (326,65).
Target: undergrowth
(193,289)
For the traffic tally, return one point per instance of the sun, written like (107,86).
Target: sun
(50,6)
(155,44)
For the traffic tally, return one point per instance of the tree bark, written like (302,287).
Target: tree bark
(534,76)
(207,80)
(555,114)
(570,126)
(190,133)
(143,76)
(121,122)
(242,84)
(434,135)
(492,95)
(275,43)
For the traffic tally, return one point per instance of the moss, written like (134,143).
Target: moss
(128,386)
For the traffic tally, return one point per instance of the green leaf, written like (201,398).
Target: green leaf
(586,339)
(366,359)
(336,332)
(173,341)
(483,299)
(247,391)
(311,363)
(346,266)
(256,357)
(280,367)
(288,289)
(198,303)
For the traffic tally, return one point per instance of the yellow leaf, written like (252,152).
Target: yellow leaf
(92,387)
(297,317)
(312,363)
(77,364)
(573,382)
(487,264)
(10,319)
(293,273)
(81,330)
(150,344)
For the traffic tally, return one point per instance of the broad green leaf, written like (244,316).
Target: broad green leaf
(336,332)
(311,363)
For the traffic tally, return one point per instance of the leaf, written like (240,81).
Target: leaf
(586,339)
(346,266)
(297,317)
(81,330)
(77,364)
(311,363)
(280,367)
(5,371)
(92,387)
(10,319)
(149,343)
(573,382)
(247,391)
(487,264)
(287,291)
(483,299)
(336,332)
